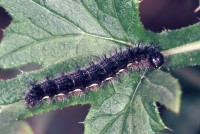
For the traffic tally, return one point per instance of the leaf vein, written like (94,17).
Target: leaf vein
(127,37)
(60,16)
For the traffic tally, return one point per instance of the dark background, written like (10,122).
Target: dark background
(156,15)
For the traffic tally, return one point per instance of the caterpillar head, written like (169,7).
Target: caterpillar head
(156,59)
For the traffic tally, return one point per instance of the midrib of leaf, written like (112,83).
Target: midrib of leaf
(37,42)
(111,39)
(193,46)
(125,110)
(130,103)
(63,36)
(177,50)
(21,34)
(3,107)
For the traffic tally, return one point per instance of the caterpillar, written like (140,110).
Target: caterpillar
(137,58)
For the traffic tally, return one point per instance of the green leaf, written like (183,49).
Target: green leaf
(130,110)
(60,34)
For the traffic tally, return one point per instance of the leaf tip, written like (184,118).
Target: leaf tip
(167,128)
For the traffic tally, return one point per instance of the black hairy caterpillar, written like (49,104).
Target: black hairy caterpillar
(138,57)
